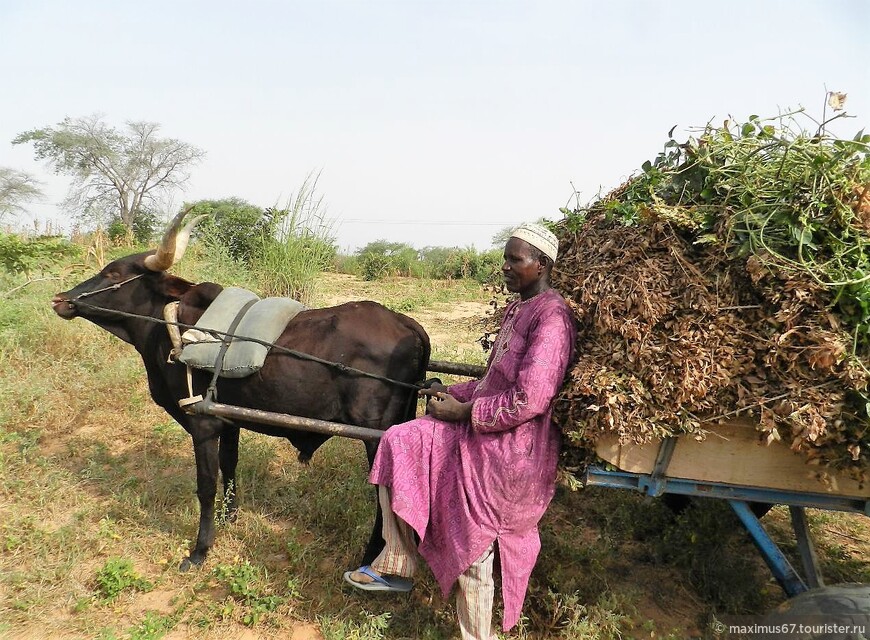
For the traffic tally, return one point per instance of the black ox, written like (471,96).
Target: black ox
(362,335)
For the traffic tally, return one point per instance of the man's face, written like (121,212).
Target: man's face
(520,269)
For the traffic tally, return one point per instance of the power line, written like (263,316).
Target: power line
(438,223)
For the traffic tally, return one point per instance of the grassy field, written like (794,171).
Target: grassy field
(98,507)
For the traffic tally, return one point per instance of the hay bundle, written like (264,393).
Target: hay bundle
(731,278)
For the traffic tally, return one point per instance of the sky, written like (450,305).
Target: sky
(429,123)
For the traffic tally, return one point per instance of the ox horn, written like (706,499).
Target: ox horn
(174,243)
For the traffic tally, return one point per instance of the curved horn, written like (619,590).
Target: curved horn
(165,255)
(184,237)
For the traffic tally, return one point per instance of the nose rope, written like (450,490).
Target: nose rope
(113,287)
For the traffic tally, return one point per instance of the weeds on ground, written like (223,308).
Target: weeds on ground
(116,576)
(153,626)
(708,541)
(367,626)
(248,586)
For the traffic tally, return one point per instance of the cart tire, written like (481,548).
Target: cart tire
(815,614)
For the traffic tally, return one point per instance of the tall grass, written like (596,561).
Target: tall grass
(290,267)
(303,247)
(277,251)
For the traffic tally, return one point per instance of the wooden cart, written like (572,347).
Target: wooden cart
(733,464)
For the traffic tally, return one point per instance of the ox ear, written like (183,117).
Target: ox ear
(202,294)
(196,301)
(173,286)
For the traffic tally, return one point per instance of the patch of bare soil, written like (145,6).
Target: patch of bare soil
(664,600)
(306,632)
(157,600)
(339,288)
(445,320)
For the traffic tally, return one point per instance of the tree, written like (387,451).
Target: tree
(117,172)
(16,188)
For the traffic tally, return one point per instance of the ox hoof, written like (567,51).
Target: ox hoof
(189,563)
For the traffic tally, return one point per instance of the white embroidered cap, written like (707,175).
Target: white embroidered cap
(539,237)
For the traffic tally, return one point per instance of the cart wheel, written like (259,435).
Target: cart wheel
(817,614)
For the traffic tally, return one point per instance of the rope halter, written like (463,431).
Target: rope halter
(113,287)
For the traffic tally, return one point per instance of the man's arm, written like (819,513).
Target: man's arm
(463,391)
(541,373)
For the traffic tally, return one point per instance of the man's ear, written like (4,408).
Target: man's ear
(545,264)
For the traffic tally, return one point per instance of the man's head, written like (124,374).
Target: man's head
(528,259)
(539,237)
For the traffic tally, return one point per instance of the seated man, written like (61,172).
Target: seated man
(479,471)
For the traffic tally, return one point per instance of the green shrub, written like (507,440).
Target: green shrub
(455,263)
(118,232)
(290,268)
(374,266)
(26,255)
(380,259)
(346,264)
(279,251)
(205,262)
(144,228)
(239,228)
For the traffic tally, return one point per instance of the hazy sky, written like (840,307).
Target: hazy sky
(432,123)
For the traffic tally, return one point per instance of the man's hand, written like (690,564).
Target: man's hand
(431,386)
(443,406)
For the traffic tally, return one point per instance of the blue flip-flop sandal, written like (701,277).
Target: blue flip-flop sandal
(379,583)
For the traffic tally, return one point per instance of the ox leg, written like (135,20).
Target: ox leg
(205,450)
(376,541)
(229,458)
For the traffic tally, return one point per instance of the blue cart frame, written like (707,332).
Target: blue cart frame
(657,483)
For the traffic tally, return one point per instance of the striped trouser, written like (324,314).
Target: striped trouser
(474,598)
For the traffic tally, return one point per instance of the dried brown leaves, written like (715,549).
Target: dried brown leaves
(673,336)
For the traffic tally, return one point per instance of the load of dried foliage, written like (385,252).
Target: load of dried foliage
(730,279)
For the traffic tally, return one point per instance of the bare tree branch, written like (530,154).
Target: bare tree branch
(122,171)
(16,189)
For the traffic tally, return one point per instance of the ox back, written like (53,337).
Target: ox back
(362,335)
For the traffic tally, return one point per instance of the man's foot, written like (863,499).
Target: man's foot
(367,579)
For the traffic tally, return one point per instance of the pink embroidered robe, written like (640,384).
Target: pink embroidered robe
(462,486)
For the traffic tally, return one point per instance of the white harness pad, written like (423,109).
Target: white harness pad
(264,321)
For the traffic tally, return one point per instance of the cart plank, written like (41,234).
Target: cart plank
(733,454)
